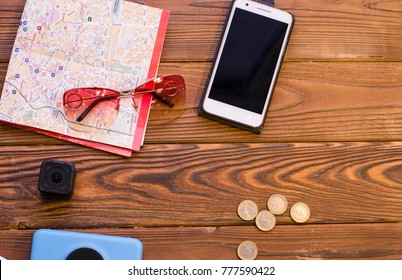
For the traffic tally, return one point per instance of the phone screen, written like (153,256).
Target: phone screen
(248,61)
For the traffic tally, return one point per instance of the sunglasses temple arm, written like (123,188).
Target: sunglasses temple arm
(109,97)
(157,96)
(93,104)
(161,99)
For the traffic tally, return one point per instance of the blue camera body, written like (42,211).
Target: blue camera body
(50,244)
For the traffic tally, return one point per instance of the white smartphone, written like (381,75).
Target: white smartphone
(247,64)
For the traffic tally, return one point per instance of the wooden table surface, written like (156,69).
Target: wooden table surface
(332,139)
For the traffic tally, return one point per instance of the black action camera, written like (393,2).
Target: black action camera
(56,179)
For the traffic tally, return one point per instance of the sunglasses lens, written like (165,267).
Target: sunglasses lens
(169,99)
(78,103)
(73,100)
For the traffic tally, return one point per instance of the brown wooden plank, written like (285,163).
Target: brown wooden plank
(324,29)
(11,12)
(349,241)
(345,101)
(313,101)
(201,185)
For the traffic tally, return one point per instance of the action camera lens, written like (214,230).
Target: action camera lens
(56,177)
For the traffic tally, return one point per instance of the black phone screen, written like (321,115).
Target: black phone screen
(247,64)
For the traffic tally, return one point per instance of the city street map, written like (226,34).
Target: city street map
(66,44)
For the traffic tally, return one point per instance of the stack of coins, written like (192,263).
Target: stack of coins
(265,220)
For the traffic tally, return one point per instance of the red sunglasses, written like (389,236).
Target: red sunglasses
(99,107)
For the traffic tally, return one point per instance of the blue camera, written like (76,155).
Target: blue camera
(48,244)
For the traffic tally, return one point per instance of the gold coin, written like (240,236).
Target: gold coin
(277,204)
(247,210)
(300,212)
(247,250)
(265,220)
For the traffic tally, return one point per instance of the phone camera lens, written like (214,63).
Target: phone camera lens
(247,4)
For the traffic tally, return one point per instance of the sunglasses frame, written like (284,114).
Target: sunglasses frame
(146,88)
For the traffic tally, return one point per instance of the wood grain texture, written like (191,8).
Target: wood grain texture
(201,185)
(313,101)
(342,30)
(333,139)
(301,242)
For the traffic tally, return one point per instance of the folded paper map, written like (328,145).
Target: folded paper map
(66,44)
